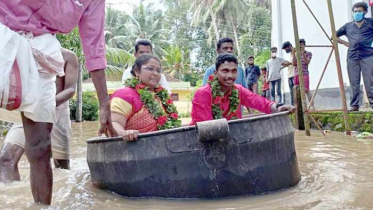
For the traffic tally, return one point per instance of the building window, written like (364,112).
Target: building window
(175,96)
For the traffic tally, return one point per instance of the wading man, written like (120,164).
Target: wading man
(30,57)
(14,144)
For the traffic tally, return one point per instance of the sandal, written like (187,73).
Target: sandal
(354,109)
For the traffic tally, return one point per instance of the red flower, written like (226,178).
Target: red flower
(162,120)
(169,101)
(231,115)
(158,89)
(174,116)
(140,86)
(217,100)
(211,77)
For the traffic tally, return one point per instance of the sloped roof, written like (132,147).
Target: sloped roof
(170,78)
(179,85)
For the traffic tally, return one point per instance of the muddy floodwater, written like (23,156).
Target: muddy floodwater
(337,173)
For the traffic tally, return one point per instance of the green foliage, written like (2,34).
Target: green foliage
(198,85)
(257,32)
(114,24)
(191,38)
(262,58)
(193,77)
(358,121)
(146,22)
(72,42)
(184,33)
(184,115)
(175,62)
(4,128)
(4,132)
(123,30)
(118,60)
(191,26)
(263,3)
(90,107)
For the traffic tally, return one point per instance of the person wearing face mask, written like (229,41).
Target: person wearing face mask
(274,67)
(360,53)
(288,47)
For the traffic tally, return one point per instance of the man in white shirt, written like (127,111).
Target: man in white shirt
(288,47)
(274,67)
(144,47)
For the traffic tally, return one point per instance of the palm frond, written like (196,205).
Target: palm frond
(119,57)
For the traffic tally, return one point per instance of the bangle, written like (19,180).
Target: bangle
(278,105)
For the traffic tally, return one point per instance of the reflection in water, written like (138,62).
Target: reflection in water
(337,173)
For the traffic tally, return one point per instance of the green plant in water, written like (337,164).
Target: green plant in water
(5,132)
(90,107)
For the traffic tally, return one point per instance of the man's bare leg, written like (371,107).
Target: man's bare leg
(255,88)
(62,164)
(38,152)
(10,155)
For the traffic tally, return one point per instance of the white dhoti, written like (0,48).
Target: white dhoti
(28,69)
(60,136)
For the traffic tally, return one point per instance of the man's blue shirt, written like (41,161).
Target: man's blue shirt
(239,80)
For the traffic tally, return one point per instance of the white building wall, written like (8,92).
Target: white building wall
(282,30)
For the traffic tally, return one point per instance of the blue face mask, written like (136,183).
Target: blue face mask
(359,16)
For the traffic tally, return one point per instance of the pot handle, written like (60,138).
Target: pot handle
(213,130)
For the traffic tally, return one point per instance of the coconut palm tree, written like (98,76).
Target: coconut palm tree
(263,3)
(203,13)
(147,23)
(121,34)
(115,21)
(118,60)
(233,13)
(118,43)
(176,62)
(224,17)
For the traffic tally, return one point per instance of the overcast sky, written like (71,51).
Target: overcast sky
(127,5)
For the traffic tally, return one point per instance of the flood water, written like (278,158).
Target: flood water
(337,173)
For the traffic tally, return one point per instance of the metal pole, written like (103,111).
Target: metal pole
(317,125)
(300,69)
(339,68)
(318,22)
(79,100)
